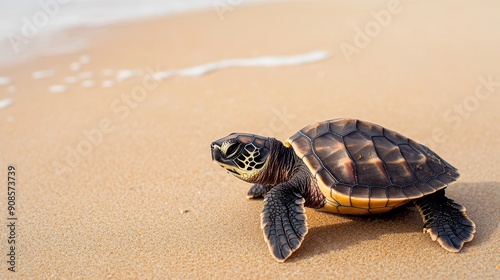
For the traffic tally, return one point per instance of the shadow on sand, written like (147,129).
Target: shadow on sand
(482,201)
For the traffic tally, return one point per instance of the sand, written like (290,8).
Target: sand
(115,186)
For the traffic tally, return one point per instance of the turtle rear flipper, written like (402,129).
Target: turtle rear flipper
(283,221)
(446,221)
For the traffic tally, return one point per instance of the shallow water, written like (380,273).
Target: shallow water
(32,27)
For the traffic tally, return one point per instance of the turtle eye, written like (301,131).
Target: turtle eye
(232,149)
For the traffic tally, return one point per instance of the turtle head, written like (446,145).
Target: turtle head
(243,155)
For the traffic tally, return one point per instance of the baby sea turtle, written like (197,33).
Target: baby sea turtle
(343,166)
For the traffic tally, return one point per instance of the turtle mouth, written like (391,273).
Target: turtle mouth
(231,170)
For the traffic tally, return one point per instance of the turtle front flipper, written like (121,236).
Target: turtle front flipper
(283,221)
(446,221)
(258,191)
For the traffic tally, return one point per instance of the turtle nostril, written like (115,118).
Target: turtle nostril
(213,150)
(213,146)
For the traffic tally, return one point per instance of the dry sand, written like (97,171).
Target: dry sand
(144,199)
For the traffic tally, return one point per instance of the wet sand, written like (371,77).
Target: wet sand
(114,173)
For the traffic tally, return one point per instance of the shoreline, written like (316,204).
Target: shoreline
(44,22)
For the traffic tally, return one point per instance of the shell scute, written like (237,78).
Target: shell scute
(369,167)
(423,171)
(400,173)
(395,137)
(314,163)
(436,165)
(436,184)
(301,145)
(342,127)
(360,197)
(412,192)
(395,192)
(446,178)
(397,168)
(370,129)
(342,189)
(331,151)
(325,178)
(341,193)
(424,187)
(316,130)
(378,193)
(387,151)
